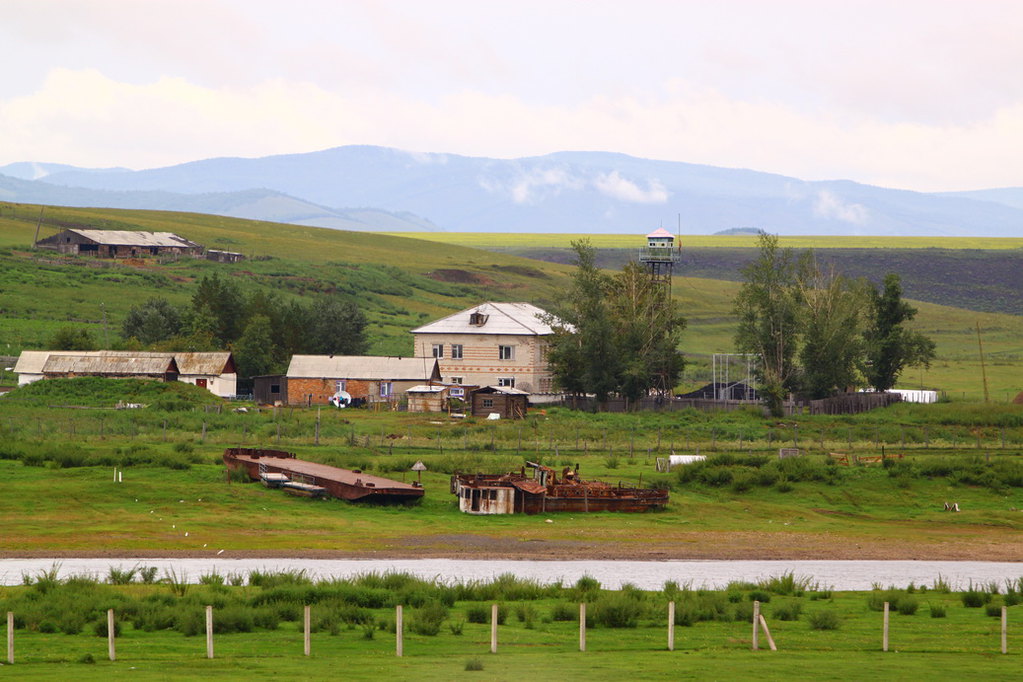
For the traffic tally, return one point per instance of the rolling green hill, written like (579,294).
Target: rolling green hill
(399,282)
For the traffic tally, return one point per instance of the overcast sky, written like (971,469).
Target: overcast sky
(915,94)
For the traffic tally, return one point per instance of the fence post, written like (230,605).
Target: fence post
(110,635)
(756,625)
(493,628)
(671,626)
(582,626)
(10,637)
(307,622)
(398,630)
(1005,630)
(209,631)
(884,635)
(767,633)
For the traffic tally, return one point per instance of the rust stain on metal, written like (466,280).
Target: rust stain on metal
(345,484)
(544,491)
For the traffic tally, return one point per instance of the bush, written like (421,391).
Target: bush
(787,611)
(993,610)
(565,612)
(974,599)
(474,664)
(478,613)
(824,620)
(617,610)
(907,605)
(760,596)
(937,611)
(428,619)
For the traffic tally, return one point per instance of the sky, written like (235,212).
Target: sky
(924,95)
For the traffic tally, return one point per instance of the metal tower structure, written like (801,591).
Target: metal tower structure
(660,257)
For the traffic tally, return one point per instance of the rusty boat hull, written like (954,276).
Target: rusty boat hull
(345,484)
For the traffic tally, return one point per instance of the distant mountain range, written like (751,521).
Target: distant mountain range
(578,192)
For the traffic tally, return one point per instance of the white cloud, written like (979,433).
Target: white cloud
(614,185)
(86,117)
(534,185)
(829,205)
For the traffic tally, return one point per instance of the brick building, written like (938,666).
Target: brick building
(120,243)
(313,379)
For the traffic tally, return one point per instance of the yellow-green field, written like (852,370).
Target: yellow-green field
(496,240)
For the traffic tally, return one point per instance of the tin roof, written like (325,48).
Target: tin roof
(151,363)
(38,361)
(423,388)
(135,238)
(497,318)
(368,367)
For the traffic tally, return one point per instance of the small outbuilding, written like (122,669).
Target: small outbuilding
(509,403)
(313,379)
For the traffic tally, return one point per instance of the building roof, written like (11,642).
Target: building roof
(423,388)
(498,318)
(506,390)
(135,238)
(369,367)
(660,233)
(109,363)
(219,362)
(38,361)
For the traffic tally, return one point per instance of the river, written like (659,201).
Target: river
(649,575)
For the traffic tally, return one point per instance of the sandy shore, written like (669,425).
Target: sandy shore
(697,546)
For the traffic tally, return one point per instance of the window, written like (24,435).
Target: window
(438,350)
(385,389)
(477,319)
(457,392)
(488,402)
(506,381)
(456,351)
(275,389)
(506,352)
(456,380)
(340,385)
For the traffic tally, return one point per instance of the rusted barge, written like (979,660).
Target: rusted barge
(543,491)
(346,484)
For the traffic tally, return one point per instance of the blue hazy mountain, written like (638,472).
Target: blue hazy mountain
(581,192)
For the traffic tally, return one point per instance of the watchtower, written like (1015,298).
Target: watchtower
(660,257)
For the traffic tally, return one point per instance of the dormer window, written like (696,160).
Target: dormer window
(477,319)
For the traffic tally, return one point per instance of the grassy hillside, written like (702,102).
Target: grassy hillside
(399,282)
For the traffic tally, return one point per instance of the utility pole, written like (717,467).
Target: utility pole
(983,368)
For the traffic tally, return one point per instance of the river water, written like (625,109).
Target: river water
(650,575)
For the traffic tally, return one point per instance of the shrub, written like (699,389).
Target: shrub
(474,664)
(824,620)
(937,611)
(478,613)
(787,611)
(428,619)
(993,610)
(907,605)
(100,628)
(617,610)
(760,596)
(455,627)
(565,612)
(974,599)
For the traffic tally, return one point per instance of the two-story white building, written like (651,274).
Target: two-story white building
(492,344)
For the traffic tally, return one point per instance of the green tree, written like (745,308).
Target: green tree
(768,309)
(155,320)
(223,302)
(336,327)
(583,353)
(615,334)
(831,314)
(72,338)
(890,347)
(254,351)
